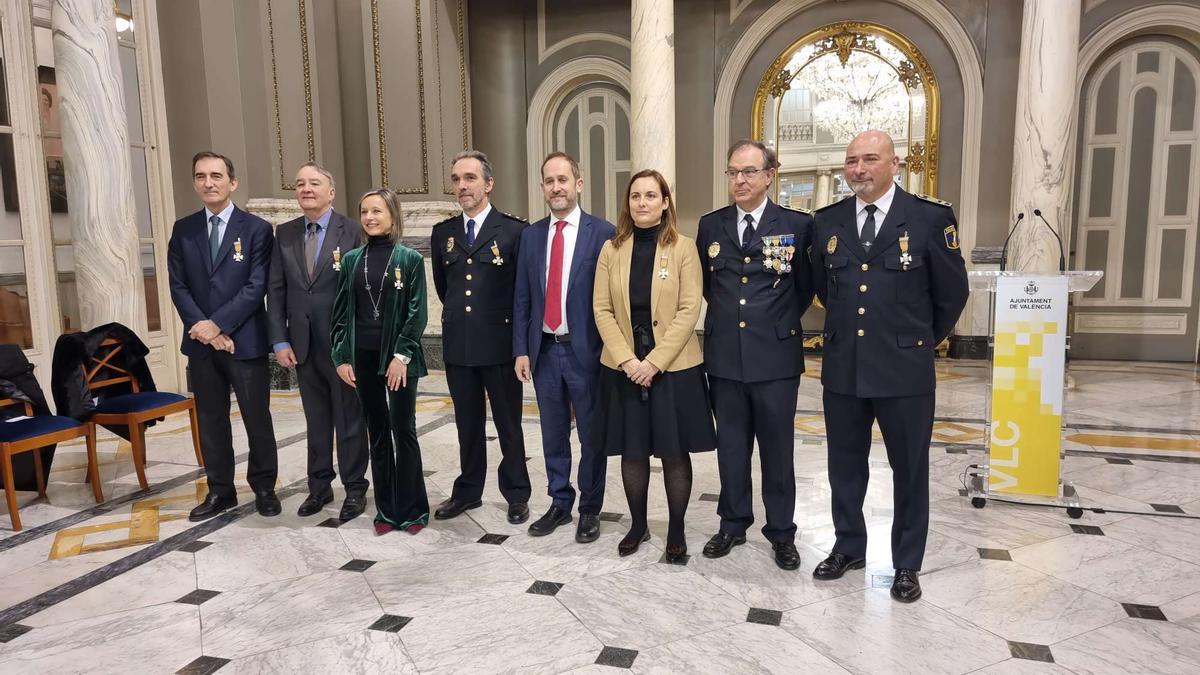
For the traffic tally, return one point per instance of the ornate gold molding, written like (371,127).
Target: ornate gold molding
(308,107)
(843,38)
(380,117)
(462,85)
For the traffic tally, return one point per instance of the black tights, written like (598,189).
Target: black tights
(677,475)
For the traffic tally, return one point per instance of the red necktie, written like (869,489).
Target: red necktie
(554,279)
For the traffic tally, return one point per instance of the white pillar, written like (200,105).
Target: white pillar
(821,198)
(1044,148)
(652,87)
(108,268)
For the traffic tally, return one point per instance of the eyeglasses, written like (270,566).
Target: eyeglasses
(748,174)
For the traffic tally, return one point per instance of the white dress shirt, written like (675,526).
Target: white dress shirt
(479,218)
(225,214)
(756,214)
(570,234)
(884,204)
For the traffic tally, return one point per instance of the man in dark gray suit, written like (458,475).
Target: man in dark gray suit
(304,270)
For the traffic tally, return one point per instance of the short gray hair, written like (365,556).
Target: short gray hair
(474,154)
(772,162)
(319,169)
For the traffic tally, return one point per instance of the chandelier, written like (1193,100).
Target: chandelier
(862,93)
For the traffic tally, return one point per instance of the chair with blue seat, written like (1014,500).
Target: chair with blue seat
(135,409)
(31,435)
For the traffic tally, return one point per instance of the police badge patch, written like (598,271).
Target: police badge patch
(951,237)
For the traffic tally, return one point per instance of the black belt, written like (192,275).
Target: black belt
(556,338)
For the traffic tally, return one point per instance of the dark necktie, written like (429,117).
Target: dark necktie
(867,236)
(471,232)
(310,248)
(214,237)
(748,231)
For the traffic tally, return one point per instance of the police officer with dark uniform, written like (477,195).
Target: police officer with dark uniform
(754,257)
(474,271)
(887,266)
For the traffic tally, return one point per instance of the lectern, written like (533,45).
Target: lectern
(1027,343)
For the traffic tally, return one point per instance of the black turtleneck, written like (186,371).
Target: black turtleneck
(641,274)
(368,330)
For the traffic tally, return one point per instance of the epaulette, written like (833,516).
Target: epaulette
(449,220)
(829,206)
(797,209)
(719,208)
(512,217)
(934,200)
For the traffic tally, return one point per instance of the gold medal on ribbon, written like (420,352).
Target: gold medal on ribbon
(399,278)
(713,249)
(237,250)
(831,246)
(337,259)
(905,258)
(662,266)
(496,259)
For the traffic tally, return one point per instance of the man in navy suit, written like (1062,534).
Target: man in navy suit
(218,260)
(556,342)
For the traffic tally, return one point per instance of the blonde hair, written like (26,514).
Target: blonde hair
(393,206)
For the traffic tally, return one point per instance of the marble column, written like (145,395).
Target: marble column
(108,269)
(1043,156)
(652,86)
(821,198)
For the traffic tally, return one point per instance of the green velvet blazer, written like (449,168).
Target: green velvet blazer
(404,314)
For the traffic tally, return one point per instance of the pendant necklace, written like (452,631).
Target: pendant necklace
(374,300)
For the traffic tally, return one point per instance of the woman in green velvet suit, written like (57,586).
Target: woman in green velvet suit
(379,314)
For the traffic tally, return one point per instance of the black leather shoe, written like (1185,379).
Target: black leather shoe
(721,544)
(352,507)
(211,506)
(313,504)
(267,503)
(549,522)
(518,513)
(836,565)
(786,555)
(676,553)
(453,507)
(906,586)
(629,545)
(588,529)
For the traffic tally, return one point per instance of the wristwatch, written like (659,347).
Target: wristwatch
(403,359)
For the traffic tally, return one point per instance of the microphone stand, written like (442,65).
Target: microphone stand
(1062,259)
(1004,251)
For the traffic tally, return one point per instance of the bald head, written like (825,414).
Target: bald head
(871,163)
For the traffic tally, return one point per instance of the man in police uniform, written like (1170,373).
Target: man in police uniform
(754,258)
(887,266)
(474,271)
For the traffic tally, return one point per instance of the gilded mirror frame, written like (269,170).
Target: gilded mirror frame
(843,38)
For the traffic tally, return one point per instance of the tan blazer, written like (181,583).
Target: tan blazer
(674,305)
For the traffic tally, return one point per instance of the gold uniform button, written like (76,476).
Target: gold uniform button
(469,309)
(741,324)
(865,267)
(470,261)
(861,310)
(862,289)
(468,277)
(861,332)
(742,301)
(469,292)
(747,259)
(745,280)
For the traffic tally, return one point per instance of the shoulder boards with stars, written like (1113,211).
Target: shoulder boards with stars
(451,219)
(797,209)
(934,200)
(512,217)
(829,206)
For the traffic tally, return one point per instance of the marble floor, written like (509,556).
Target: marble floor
(131,586)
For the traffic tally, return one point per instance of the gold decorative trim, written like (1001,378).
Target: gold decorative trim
(842,38)
(462,85)
(383,161)
(308,108)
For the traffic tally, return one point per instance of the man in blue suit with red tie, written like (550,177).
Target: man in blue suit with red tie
(556,342)
(218,261)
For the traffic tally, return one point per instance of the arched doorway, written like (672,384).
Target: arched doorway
(1138,191)
(833,83)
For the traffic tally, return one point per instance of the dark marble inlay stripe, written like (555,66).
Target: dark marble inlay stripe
(203,665)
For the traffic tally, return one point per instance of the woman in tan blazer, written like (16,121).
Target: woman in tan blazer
(653,398)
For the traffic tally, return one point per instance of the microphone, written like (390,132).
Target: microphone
(1062,260)
(1004,251)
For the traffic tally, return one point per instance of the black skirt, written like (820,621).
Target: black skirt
(675,419)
